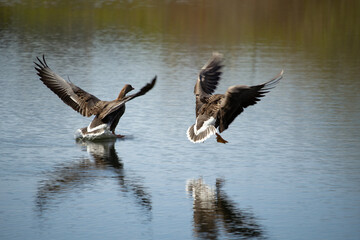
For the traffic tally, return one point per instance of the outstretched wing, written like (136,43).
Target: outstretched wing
(239,97)
(208,80)
(116,105)
(80,100)
(142,91)
(209,76)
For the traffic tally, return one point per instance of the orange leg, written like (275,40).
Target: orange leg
(220,139)
(118,135)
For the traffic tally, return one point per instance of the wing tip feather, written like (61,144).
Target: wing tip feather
(273,82)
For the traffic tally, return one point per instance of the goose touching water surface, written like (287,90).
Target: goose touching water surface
(107,113)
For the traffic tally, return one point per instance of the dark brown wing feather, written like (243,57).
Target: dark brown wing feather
(113,106)
(142,91)
(208,80)
(209,75)
(239,97)
(80,100)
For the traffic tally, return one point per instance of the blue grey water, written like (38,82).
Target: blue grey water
(291,169)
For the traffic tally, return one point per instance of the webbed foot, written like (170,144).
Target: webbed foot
(118,135)
(220,139)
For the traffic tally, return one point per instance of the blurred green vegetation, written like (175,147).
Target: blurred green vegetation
(318,25)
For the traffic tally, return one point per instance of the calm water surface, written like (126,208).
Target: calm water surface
(291,169)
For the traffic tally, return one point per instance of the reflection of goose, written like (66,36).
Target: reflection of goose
(107,113)
(103,153)
(214,212)
(70,178)
(219,110)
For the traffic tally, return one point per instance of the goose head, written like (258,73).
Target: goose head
(127,88)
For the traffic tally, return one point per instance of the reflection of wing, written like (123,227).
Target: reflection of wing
(64,179)
(75,176)
(213,208)
(105,153)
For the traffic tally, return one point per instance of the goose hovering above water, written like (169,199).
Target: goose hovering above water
(107,113)
(219,110)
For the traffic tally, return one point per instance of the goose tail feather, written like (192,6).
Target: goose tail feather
(201,136)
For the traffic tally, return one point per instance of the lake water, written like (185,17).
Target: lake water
(291,169)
